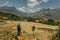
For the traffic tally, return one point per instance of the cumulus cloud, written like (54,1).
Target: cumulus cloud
(32,6)
(32,3)
(22,9)
(28,10)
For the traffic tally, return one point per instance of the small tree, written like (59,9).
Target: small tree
(58,23)
(33,29)
(50,21)
(31,19)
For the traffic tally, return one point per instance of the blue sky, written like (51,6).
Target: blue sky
(31,5)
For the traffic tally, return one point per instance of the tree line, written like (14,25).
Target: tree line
(40,20)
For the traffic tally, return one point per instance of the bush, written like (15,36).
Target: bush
(31,19)
(50,21)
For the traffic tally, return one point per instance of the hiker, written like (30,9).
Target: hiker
(18,29)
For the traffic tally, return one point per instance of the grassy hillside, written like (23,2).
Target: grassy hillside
(8,16)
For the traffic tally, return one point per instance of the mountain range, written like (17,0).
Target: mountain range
(43,13)
(47,13)
(12,10)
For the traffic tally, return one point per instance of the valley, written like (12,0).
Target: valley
(45,23)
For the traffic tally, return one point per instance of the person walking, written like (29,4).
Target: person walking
(19,29)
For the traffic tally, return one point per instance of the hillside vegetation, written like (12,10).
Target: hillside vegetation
(11,16)
(8,16)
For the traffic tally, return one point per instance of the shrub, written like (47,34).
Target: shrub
(31,19)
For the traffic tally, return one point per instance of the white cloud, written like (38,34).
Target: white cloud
(32,6)
(6,3)
(31,0)
(45,1)
(32,3)
(22,9)
(28,10)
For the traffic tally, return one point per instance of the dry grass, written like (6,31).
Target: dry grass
(43,33)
